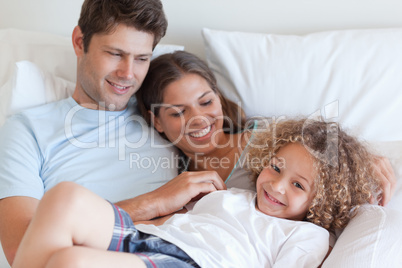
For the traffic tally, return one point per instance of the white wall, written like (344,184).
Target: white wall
(54,16)
(187,17)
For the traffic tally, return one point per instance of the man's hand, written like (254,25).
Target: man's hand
(173,195)
(386,174)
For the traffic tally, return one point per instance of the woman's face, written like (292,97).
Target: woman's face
(285,189)
(191,115)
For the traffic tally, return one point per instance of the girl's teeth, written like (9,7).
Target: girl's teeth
(201,133)
(273,200)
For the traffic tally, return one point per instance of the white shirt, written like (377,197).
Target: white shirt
(224,229)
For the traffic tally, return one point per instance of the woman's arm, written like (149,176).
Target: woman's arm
(387,177)
(161,220)
(172,196)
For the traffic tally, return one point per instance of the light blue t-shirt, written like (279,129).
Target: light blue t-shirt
(114,154)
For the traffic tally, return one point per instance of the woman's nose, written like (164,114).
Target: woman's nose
(197,118)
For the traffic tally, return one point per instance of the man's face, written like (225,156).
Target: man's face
(113,68)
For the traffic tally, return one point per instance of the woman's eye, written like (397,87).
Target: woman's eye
(178,114)
(298,185)
(206,103)
(274,167)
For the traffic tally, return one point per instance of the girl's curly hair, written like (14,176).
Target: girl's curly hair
(345,168)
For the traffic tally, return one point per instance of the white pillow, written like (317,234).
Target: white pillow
(371,239)
(351,76)
(52,53)
(164,49)
(30,86)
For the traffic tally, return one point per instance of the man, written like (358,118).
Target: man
(95,138)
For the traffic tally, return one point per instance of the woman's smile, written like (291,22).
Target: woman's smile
(201,133)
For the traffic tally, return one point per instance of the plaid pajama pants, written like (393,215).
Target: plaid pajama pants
(154,251)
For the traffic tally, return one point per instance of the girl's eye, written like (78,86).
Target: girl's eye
(274,167)
(298,185)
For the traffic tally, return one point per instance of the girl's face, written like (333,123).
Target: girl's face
(285,189)
(191,115)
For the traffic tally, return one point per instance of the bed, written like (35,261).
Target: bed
(346,70)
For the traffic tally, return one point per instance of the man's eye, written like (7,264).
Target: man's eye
(143,59)
(114,54)
(274,167)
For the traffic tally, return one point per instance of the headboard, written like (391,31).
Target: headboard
(187,18)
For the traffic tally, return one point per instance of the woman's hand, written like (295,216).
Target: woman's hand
(173,195)
(186,187)
(387,177)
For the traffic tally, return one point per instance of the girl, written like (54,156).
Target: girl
(311,176)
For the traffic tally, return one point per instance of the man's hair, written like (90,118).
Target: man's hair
(102,16)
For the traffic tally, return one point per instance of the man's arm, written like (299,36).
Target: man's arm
(172,196)
(16,213)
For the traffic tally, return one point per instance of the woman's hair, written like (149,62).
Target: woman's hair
(171,67)
(102,16)
(345,168)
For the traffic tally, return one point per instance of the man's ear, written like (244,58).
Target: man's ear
(155,122)
(78,42)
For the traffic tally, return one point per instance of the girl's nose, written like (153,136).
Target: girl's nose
(278,186)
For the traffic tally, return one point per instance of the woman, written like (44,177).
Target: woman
(180,98)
